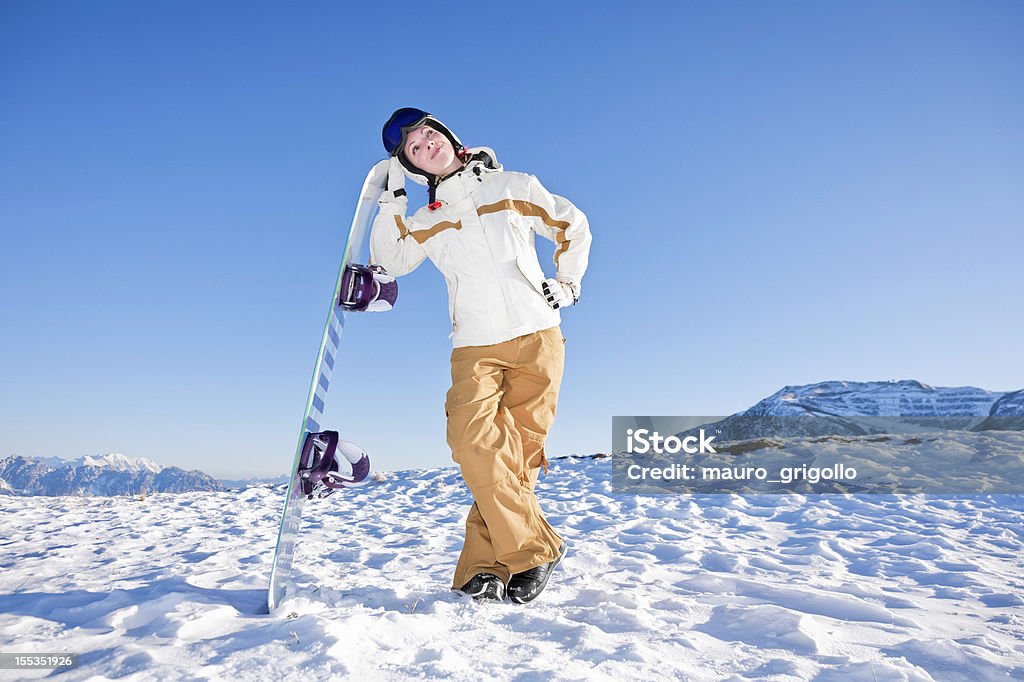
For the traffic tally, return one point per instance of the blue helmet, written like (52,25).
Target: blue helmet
(398,126)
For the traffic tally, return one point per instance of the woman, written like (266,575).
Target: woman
(478,229)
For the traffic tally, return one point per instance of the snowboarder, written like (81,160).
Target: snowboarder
(478,229)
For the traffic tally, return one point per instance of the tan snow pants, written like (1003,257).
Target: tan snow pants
(500,408)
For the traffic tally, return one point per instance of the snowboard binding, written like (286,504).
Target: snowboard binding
(319,472)
(367,288)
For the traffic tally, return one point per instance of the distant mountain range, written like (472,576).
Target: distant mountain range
(844,408)
(856,408)
(906,398)
(247,482)
(104,475)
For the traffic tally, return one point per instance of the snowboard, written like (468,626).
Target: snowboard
(317,453)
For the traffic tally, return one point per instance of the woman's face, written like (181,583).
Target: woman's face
(431,151)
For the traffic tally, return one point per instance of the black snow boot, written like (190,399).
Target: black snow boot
(525,586)
(485,586)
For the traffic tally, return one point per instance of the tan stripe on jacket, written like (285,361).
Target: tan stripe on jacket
(423,235)
(525,208)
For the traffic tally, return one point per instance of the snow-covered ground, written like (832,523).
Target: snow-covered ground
(654,587)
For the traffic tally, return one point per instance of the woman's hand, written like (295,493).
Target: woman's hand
(388,175)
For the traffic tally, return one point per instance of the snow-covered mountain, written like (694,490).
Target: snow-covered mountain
(242,483)
(907,398)
(1006,413)
(105,475)
(857,408)
(114,461)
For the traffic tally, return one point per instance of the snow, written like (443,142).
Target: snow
(113,460)
(872,587)
(119,462)
(907,397)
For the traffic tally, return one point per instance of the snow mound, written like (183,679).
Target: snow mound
(767,627)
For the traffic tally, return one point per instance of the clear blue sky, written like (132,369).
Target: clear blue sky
(780,193)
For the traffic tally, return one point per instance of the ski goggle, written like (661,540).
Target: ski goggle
(400,123)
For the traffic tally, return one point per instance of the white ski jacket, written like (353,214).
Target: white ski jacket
(481,238)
